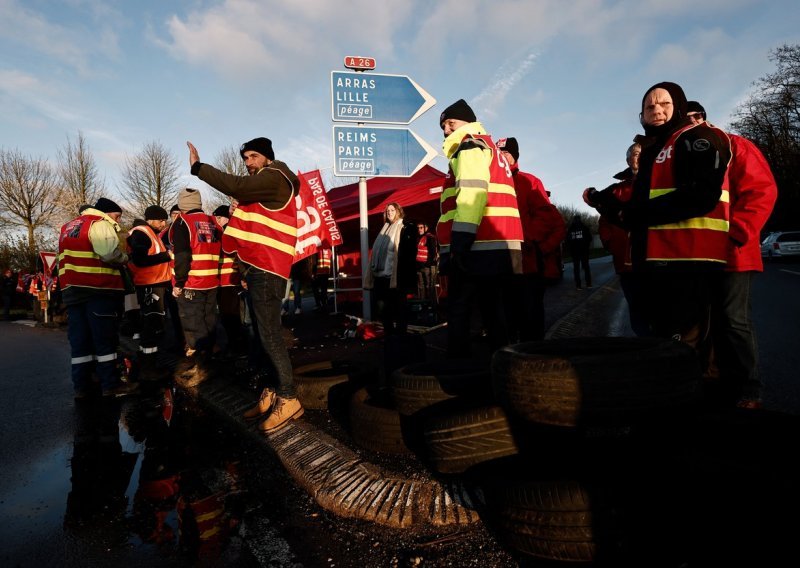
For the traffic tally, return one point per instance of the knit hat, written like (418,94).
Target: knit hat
(83,208)
(222,211)
(459,110)
(155,213)
(509,145)
(107,206)
(694,106)
(175,209)
(189,199)
(261,145)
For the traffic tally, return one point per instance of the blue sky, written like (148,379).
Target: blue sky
(565,78)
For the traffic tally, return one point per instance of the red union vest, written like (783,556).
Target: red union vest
(422,248)
(324,262)
(204,240)
(697,239)
(78,264)
(147,275)
(228,269)
(262,237)
(500,227)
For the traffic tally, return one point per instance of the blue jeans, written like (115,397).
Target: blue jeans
(266,293)
(93,332)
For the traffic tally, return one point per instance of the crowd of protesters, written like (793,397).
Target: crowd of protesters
(682,223)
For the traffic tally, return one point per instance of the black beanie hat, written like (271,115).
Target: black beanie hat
(155,213)
(694,106)
(175,209)
(459,110)
(261,145)
(509,145)
(222,211)
(107,206)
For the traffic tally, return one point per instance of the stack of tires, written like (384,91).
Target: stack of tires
(543,433)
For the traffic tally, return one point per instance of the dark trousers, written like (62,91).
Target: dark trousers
(151,310)
(93,332)
(266,293)
(578,261)
(230,317)
(392,305)
(465,290)
(426,283)
(198,317)
(319,286)
(632,288)
(171,304)
(524,308)
(733,335)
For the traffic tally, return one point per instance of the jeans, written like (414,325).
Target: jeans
(579,261)
(632,288)
(266,293)
(733,335)
(93,333)
(392,305)
(525,321)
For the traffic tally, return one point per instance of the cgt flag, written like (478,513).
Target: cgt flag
(316,226)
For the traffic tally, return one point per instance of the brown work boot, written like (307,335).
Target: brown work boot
(283,410)
(263,405)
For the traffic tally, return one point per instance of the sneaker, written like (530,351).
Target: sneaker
(285,409)
(136,336)
(589,286)
(578,287)
(284,312)
(122,389)
(298,311)
(265,402)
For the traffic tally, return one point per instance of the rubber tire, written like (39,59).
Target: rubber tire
(375,428)
(419,385)
(313,381)
(549,520)
(597,381)
(458,440)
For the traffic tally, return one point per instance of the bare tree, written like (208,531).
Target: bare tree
(770,117)
(150,178)
(80,179)
(29,193)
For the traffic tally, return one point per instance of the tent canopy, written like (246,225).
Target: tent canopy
(423,187)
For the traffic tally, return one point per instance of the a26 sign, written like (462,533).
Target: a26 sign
(359,63)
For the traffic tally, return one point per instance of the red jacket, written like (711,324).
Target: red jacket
(543,226)
(615,239)
(753,194)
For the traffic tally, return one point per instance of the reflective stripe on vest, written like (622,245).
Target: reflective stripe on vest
(697,239)
(324,261)
(228,271)
(78,264)
(204,240)
(422,249)
(146,275)
(499,227)
(262,237)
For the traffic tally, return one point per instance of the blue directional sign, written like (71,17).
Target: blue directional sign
(374,151)
(372,97)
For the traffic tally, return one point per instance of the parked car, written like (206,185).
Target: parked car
(781,244)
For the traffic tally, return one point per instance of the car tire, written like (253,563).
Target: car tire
(375,427)
(313,381)
(596,382)
(419,385)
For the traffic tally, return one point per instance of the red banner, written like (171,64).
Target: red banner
(316,226)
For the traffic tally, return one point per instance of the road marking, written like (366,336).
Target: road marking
(790,272)
(29,323)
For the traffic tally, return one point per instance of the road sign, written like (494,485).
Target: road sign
(374,151)
(373,97)
(359,63)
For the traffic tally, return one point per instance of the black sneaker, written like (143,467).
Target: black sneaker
(122,389)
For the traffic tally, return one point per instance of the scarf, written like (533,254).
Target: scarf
(385,248)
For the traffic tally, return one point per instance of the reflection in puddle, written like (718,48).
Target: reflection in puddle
(151,473)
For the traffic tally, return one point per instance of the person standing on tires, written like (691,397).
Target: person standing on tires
(543,228)
(263,233)
(677,215)
(479,231)
(753,193)
(579,241)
